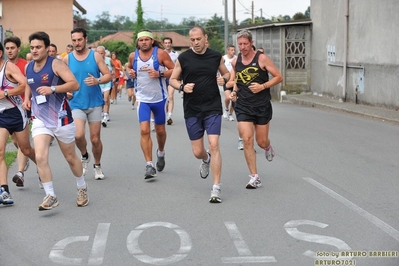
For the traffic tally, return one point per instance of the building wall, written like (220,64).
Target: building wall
(55,17)
(372,54)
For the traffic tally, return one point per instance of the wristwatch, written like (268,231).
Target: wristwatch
(53,89)
(99,80)
(6,93)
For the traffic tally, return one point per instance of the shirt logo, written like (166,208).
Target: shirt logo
(247,75)
(44,78)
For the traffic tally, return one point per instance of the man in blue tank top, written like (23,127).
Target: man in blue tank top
(87,102)
(150,66)
(49,80)
(251,95)
(202,102)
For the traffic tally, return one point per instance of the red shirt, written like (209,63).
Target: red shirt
(21,63)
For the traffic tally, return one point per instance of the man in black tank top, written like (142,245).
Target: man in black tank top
(251,95)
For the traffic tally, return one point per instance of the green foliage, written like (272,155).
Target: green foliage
(298,16)
(140,20)
(25,48)
(121,49)
(10,157)
(217,44)
(307,12)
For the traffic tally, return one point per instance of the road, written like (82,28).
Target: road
(331,190)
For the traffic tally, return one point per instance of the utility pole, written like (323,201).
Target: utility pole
(226,24)
(234,17)
(253,15)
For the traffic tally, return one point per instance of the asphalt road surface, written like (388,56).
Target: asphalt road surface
(329,196)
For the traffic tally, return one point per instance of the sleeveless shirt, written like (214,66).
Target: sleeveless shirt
(149,90)
(87,96)
(55,112)
(245,75)
(12,101)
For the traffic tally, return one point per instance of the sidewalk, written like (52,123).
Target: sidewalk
(311,100)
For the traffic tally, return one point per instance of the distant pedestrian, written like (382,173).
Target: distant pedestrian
(167,43)
(252,97)
(202,102)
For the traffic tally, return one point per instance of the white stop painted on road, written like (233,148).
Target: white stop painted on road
(132,243)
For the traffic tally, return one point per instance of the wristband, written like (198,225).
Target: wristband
(161,74)
(181,89)
(225,80)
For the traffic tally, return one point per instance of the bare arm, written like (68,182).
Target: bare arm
(62,70)
(14,74)
(174,78)
(129,66)
(267,64)
(224,73)
(103,69)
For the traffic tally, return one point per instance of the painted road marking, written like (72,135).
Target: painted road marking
(373,219)
(242,248)
(132,243)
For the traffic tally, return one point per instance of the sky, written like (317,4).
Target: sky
(175,10)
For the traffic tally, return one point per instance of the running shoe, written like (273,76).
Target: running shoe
(18,179)
(215,196)
(85,162)
(26,165)
(129,98)
(231,118)
(152,125)
(269,153)
(98,173)
(133,108)
(204,167)
(48,203)
(170,121)
(226,114)
(254,182)
(240,144)
(104,122)
(150,172)
(82,199)
(160,163)
(5,197)
(120,97)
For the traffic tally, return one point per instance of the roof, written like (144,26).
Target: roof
(78,6)
(275,24)
(179,41)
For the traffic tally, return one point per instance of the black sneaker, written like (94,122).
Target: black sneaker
(150,172)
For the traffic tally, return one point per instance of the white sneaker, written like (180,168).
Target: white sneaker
(226,114)
(231,118)
(104,121)
(85,162)
(240,144)
(269,153)
(98,173)
(152,125)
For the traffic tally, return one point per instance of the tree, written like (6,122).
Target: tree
(307,12)
(140,20)
(298,16)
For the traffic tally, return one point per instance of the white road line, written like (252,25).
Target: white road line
(379,223)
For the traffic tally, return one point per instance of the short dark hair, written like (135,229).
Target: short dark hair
(167,38)
(230,46)
(41,36)
(1,47)
(82,30)
(13,39)
(53,45)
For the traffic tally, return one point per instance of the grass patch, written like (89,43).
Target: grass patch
(10,157)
